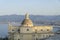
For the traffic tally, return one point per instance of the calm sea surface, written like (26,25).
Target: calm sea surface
(3,29)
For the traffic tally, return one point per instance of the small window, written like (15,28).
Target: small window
(18,39)
(47,29)
(36,38)
(27,29)
(18,30)
(41,29)
(35,30)
(12,30)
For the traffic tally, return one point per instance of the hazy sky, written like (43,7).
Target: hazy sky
(36,7)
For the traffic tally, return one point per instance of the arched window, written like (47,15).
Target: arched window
(19,30)
(27,29)
(41,29)
(18,39)
(47,29)
(35,30)
(35,38)
(12,29)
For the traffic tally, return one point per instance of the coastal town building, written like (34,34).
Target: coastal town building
(28,31)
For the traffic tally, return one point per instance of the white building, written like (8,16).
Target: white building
(27,31)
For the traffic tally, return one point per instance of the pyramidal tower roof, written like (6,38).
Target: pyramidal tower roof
(27,21)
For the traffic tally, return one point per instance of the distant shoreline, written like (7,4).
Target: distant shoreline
(3,23)
(8,22)
(34,24)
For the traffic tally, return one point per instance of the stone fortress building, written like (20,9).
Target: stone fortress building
(27,31)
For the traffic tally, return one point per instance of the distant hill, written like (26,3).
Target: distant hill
(37,19)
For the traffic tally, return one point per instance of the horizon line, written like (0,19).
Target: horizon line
(29,14)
